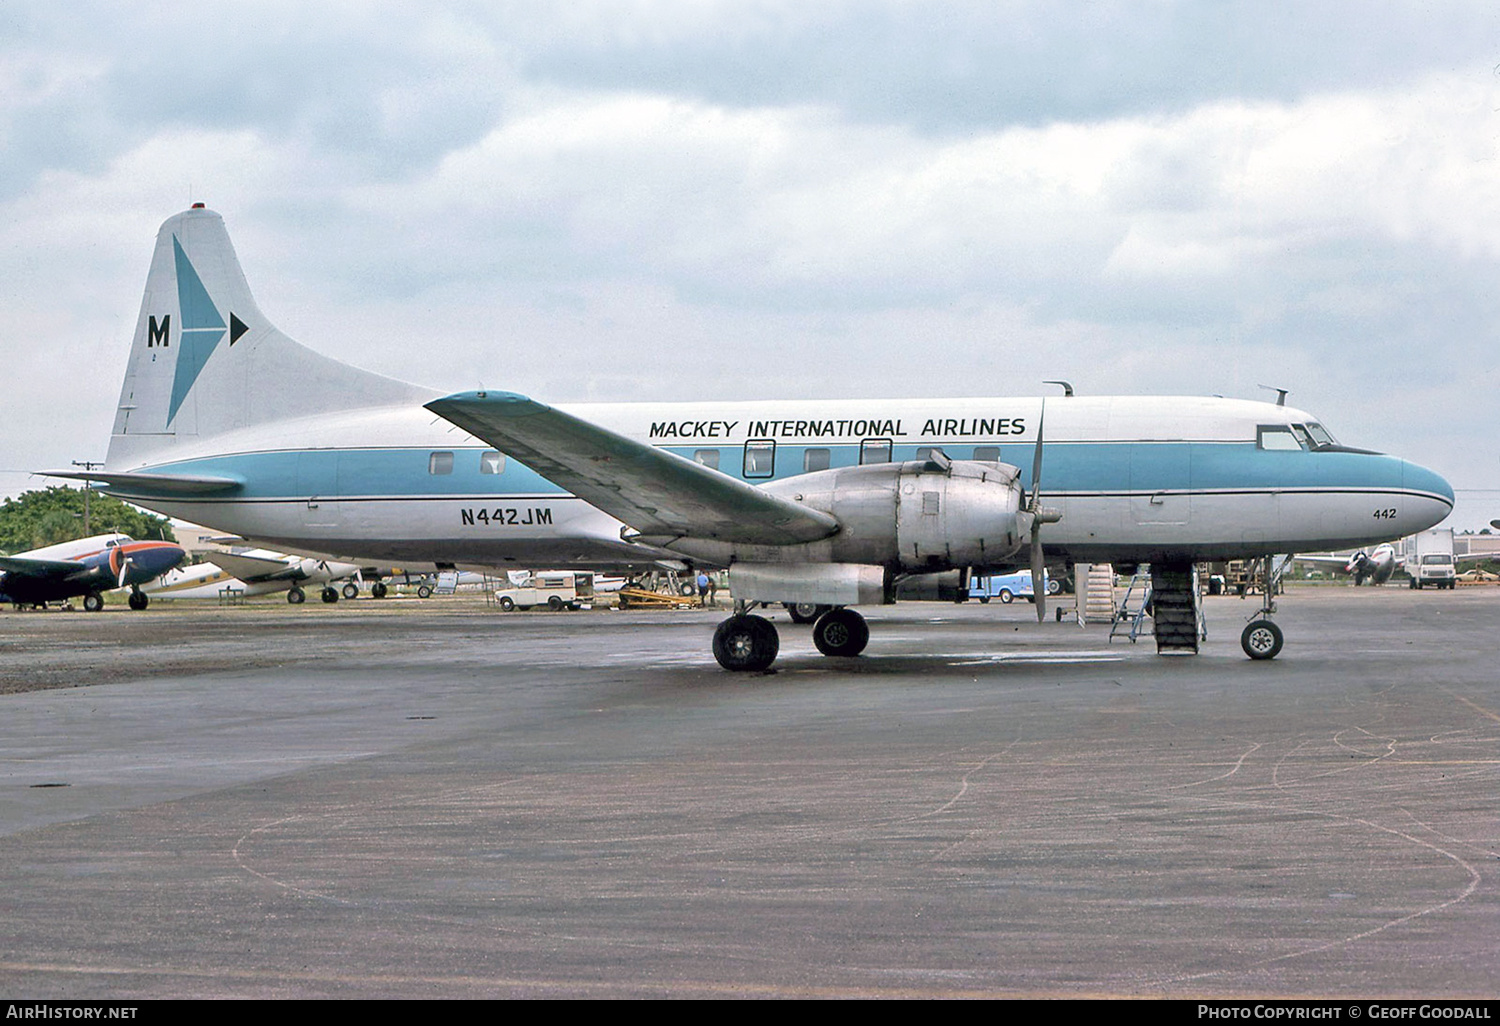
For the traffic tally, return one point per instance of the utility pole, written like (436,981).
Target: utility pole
(87,465)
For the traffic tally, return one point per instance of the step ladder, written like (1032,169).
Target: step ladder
(1139,591)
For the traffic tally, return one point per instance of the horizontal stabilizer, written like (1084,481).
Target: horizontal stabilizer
(152,484)
(658,493)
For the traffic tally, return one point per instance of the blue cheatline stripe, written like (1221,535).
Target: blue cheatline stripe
(1074,468)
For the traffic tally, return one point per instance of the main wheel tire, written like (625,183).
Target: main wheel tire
(507,604)
(351,590)
(139,600)
(746,643)
(1261,639)
(1005,596)
(296,596)
(378,590)
(841,632)
(92,602)
(805,612)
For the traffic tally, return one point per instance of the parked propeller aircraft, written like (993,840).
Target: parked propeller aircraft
(253,572)
(827,503)
(1374,565)
(87,567)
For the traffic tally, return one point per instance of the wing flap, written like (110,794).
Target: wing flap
(658,493)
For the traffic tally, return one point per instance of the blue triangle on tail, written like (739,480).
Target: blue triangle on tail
(202,327)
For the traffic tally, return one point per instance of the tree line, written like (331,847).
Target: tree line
(35,519)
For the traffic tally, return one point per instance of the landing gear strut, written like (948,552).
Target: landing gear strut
(1262,639)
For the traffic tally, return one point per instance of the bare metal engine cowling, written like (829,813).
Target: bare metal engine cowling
(923,516)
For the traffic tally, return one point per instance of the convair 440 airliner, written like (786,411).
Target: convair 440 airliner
(227,422)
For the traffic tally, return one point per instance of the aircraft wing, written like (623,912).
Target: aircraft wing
(654,491)
(1334,561)
(21,566)
(250,568)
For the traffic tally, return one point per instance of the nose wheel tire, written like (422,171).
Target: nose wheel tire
(139,600)
(1261,639)
(841,632)
(330,595)
(746,643)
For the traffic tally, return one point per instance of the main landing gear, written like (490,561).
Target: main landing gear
(746,642)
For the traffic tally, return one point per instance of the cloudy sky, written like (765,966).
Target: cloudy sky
(663,200)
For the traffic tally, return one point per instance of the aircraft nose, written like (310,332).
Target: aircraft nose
(162,558)
(1431,496)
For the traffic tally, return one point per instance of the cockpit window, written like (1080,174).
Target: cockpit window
(1278,437)
(1320,435)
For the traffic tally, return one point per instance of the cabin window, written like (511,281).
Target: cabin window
(760,459)
(987,453)
(491,462)
(875,450)
(1277,438)
(708,457)
(440,463)
(816,459)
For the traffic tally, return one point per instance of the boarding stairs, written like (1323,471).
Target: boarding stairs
(1096,600)
(1176,612)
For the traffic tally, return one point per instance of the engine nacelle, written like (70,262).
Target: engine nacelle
(921,516)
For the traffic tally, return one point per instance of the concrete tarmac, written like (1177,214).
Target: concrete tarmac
(406,799)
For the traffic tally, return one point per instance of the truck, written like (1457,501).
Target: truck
(1429,559)
(555,589)
(1009,587)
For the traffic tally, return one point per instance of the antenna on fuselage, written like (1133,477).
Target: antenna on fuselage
(1281,393)
(1067,388)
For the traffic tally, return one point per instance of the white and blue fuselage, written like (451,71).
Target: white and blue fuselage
(1136,479)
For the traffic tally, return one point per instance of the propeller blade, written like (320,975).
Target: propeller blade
(124,569)
(1036,461)
(1038,565)
(1038,572)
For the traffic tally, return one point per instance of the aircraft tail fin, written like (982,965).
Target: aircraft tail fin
(205,361)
